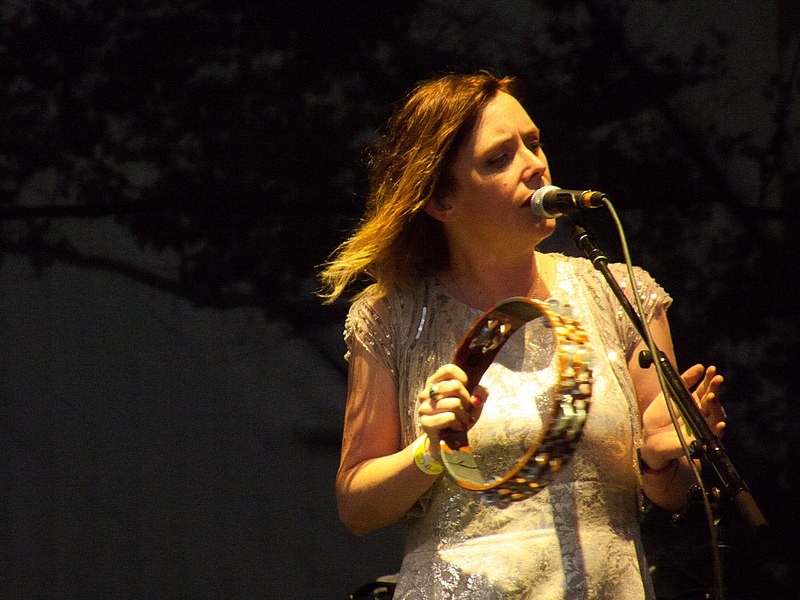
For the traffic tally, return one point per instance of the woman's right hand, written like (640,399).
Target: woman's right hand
(445,403)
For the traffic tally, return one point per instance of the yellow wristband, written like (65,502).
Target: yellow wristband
(426,463)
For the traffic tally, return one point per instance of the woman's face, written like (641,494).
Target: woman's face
(496,170)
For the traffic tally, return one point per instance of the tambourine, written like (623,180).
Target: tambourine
(568,405)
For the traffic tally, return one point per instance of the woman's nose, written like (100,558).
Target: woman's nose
(535,165)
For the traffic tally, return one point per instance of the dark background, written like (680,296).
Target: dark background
(171,175)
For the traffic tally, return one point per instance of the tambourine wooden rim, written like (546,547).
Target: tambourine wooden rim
(569,400)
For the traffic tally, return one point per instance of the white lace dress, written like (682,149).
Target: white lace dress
(579,537)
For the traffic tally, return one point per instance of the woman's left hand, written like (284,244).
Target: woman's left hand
(661,442)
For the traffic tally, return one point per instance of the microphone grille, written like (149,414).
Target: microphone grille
(541,193)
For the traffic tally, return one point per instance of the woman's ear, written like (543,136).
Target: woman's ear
(440,209)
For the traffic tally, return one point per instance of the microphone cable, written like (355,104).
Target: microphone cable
(648,339)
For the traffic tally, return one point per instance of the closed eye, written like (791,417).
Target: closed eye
(534,145)
(499,160)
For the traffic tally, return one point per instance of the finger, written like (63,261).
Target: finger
(692,375)
(440,404)
(716,383)
(435,384)
(452,388)
(714,409)
(432,424)
(448,371)
(465,416)
(714,414)
(439,389)
(710,389)
(436,390)
(712,380)
(457,405)
(704,385)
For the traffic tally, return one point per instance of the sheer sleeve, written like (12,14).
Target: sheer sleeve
(652,295)
(368,324)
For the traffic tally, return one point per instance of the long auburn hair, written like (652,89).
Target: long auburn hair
(396,241)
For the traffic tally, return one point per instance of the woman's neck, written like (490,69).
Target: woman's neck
(482,282)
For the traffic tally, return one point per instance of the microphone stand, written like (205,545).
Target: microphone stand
(707,445)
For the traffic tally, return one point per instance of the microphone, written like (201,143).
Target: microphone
(551,201)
